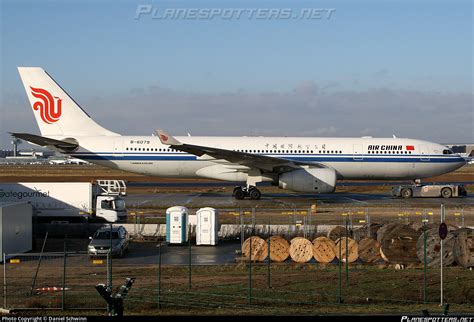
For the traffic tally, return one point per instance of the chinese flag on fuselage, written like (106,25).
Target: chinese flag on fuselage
(410,147)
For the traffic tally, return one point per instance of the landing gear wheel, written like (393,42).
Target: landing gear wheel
(406,193)
(239,194)
(255,194)
(446,193)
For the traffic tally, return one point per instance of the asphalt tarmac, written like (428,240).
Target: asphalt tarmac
(148,254)
(225,200)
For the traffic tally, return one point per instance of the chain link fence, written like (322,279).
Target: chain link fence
(219,279)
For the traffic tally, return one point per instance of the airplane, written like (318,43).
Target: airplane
(302,164)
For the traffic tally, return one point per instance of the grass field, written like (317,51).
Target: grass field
(295,289)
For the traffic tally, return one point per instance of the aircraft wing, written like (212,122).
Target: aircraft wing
(65,146)
(262,162)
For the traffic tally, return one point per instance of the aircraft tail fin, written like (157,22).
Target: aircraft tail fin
(56,113)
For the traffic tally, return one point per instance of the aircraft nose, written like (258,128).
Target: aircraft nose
(461,161)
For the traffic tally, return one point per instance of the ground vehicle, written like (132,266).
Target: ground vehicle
(432,190)
(109,237)
(67,201)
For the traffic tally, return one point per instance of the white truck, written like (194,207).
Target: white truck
(70,201)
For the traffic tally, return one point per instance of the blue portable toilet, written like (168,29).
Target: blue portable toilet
(177,225)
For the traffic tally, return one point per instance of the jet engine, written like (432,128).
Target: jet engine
(319,180)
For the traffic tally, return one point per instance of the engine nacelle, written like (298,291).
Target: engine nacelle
(319,180)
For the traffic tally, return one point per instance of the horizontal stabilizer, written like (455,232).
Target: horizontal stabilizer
(67,146)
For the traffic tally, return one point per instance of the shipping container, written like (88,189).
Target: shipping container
(16,228)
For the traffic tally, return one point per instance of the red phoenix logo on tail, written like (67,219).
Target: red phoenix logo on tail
(164,137)
(49,111)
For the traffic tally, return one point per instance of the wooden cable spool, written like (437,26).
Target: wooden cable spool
(398,243)
(301,250)
(353,249)
(362,232)
(279,249)
(433,248)
(463,249)
(324,250)
(369,250)
(295,239)
(338,232)
(259,248)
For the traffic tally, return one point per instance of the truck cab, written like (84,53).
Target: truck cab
(110,204)
(111,208)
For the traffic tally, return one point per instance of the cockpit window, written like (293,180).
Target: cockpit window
(447,151)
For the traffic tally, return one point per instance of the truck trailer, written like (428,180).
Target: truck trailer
(70,201)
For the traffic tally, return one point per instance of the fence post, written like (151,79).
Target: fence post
(254,221)
(190,255)
(310,227)
(339,289)
(424,262)
(347,254)
(159,276)
(269,278)
(110,259)
(4,281)
(242,229)
(367,220)
(38,266)
(442,215)
(250,273)
(63,295)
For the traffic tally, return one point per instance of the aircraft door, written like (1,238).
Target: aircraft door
(205,228)
(118,146)
(425,153)
(358,152)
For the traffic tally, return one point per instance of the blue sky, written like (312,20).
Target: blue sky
(96,49)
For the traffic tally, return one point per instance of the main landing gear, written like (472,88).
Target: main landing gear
(252,192)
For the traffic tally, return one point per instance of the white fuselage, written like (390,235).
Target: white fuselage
(351,158)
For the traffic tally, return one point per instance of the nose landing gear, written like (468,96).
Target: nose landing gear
(252,192)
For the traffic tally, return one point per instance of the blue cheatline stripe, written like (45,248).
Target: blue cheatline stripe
(187,157)
(279,155)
